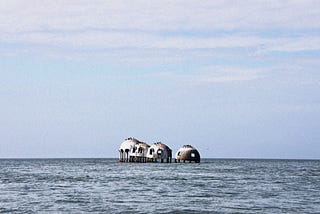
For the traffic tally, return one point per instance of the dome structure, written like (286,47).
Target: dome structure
(159,151)
(126,148)
(187,153)
(139,152)
(133,150)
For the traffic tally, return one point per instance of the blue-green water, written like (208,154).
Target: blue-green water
(106,186)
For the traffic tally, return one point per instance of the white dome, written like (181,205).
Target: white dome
(128,144)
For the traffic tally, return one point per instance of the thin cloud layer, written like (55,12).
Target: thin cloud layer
(84,74)
(158,32)
(110,40)
(156,16)
(19,16)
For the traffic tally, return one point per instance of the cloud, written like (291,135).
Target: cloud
(215,74)
(158,32)
(100,40)
(18,16)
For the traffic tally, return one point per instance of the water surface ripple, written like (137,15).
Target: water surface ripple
(212,186)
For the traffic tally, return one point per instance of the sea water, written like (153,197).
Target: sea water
(107,186)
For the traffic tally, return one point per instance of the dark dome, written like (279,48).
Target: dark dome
(188,153)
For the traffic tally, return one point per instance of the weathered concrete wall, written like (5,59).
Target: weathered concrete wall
(159,152)
(187,153)
(133,150)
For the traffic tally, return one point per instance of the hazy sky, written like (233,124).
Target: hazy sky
(232,78)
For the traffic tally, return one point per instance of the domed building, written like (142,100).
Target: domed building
(159,151)
(125,149)
(139,152)
(133,150)
(187,153)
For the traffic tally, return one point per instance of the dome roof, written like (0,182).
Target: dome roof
(159,150)
(142,145)
(128,144)
(160,146)
(189,153)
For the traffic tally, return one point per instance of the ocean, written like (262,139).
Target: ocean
(107,186)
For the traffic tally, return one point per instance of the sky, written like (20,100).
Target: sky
(235,79)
